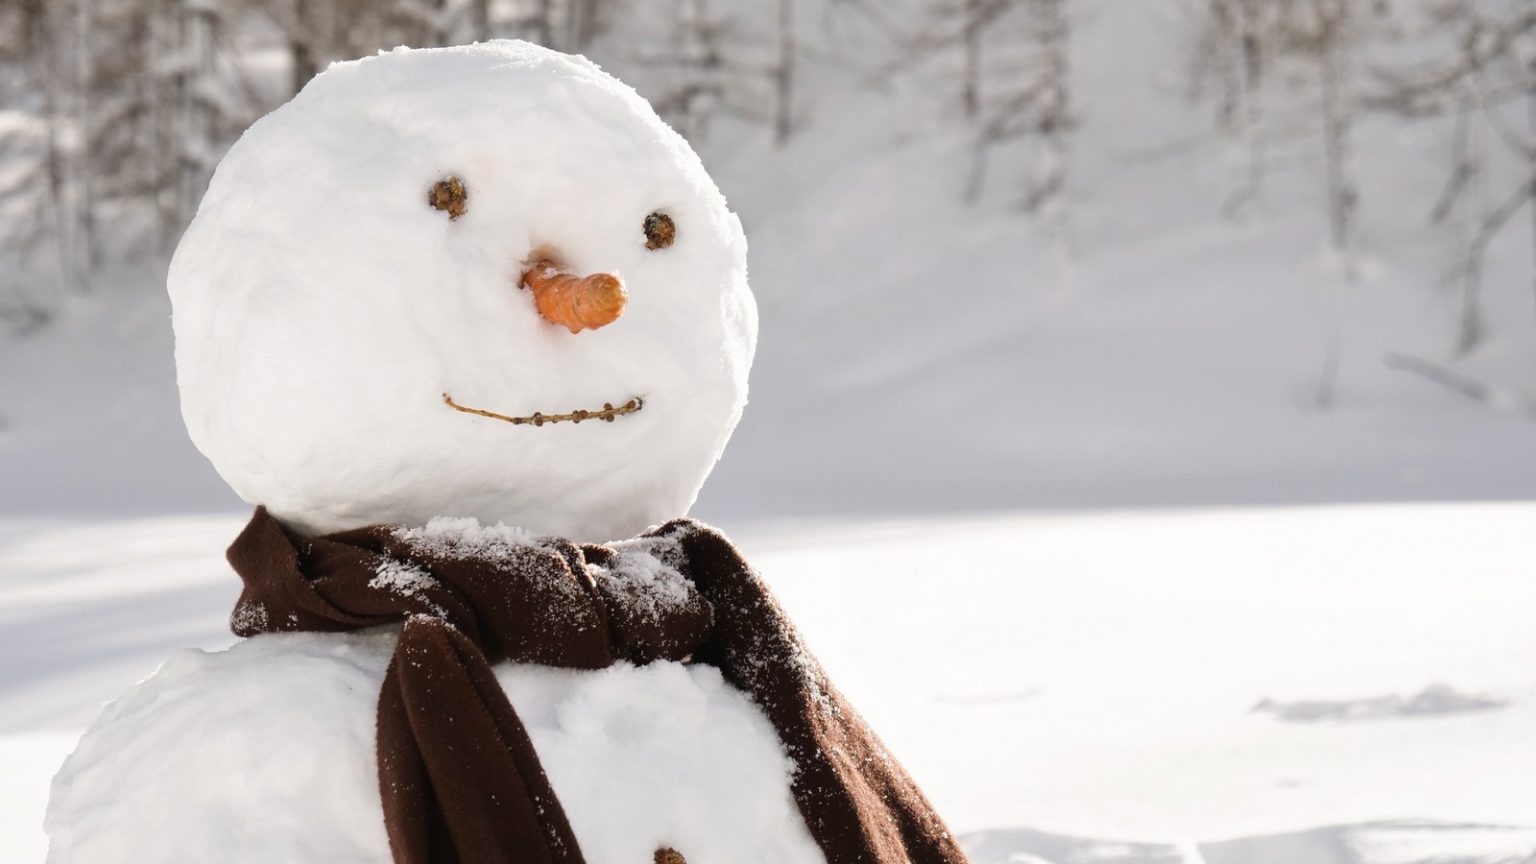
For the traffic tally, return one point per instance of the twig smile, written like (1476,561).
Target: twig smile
(606,414)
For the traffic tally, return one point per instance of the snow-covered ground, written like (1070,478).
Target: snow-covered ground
(1314,685)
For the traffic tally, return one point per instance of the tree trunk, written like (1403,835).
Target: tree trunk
(1048,171)
(42,31)
(1530,151)
(970,76)
(198,122)
(783,79)
(1253,97)
(699,62)
(582,23)
(1469,183)
(1227,48)
(544,24)
(480,20)
(83,168)
(1342,194)
(303,63)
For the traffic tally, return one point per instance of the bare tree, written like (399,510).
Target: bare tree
(1465,198)
(1235,40)
(538,21)
(1331,18)
(1323,34)
(1013,84)
(963,27)
(698,61)
(1249,49)
(1028,99)
(424,23)
(29,30)
(133,107)
(51,54)
(784,73)
(480,20)
(583,22)
(704,61)
(564,25)
(296,23)
(974,23)
(1488,68)
(1047,87)
(319,32)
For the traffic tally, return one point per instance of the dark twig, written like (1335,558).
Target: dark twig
(607,413)
(1448,378)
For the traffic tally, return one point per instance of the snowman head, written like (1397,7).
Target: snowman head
(482,281)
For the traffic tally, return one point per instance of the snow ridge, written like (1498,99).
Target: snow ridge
(465,537)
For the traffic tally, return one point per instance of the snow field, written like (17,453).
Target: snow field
(1063,686)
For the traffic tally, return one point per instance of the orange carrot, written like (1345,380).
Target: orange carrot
(576,303)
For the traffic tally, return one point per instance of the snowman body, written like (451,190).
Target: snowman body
(265,753)
(357,344)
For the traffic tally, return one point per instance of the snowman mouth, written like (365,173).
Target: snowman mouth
(607,413)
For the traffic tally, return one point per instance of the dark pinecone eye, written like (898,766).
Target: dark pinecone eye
(449,194)
(660,231)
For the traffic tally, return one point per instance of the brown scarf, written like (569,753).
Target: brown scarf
(458,775)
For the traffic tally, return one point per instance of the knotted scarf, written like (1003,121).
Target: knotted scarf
(458,775)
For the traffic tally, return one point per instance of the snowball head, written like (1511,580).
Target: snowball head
(323,307)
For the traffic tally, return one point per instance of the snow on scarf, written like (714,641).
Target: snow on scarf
(458,774)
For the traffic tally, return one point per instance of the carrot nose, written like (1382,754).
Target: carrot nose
(576,303)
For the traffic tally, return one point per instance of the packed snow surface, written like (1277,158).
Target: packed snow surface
(322,308)
(271,745)
(1329,685)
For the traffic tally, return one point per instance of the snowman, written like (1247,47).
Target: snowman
(453,320)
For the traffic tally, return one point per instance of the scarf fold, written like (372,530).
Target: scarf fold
(458,775)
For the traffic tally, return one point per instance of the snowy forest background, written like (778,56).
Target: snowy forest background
(1041,253)
(1162,371)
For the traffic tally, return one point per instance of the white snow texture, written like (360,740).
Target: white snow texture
(322,308)
(265,753)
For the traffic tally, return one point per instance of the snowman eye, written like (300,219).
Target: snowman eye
(660,231)
(449,194)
